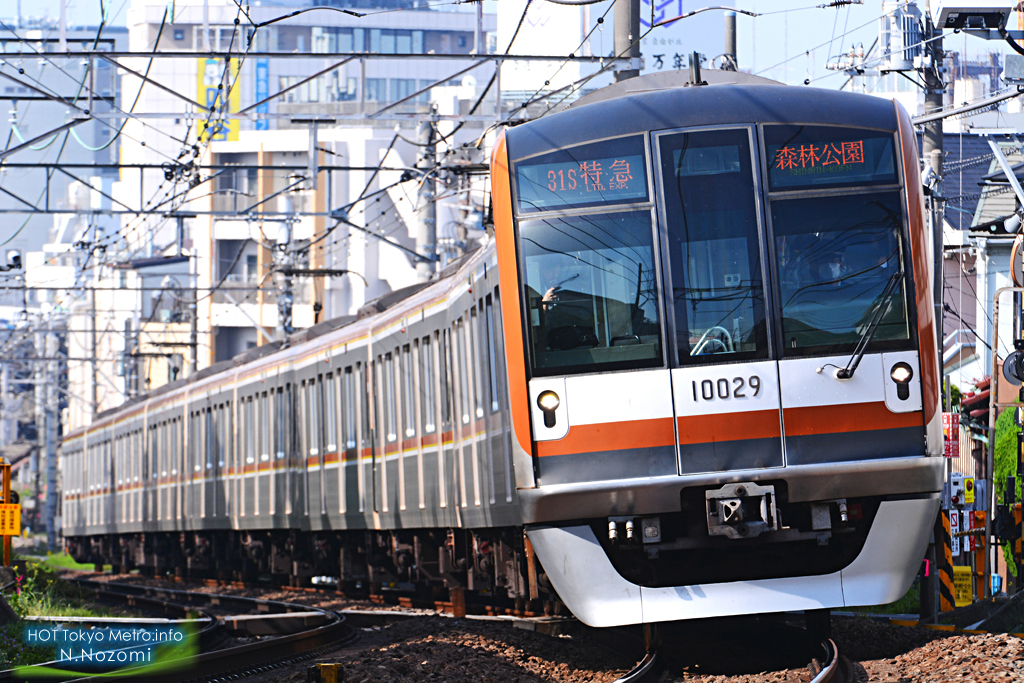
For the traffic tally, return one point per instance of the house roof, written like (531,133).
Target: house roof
(997,201)
(967,160)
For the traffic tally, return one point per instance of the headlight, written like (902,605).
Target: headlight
(901,373)
(548,400)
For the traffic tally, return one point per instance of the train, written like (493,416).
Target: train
(692,374)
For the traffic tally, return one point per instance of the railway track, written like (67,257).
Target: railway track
(285,633)
(827,667)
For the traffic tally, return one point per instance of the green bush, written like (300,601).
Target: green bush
(1006,466)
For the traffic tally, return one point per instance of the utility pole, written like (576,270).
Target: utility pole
(627,36)
(53,372)
(40,376)
(5,405)
(93,389)
(730,62)
(426,204)
(478,38)
(283,263)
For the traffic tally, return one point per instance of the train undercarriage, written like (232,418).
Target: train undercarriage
(422,563)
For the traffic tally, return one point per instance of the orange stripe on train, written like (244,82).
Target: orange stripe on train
(852,417)
(756,424)
(611,436)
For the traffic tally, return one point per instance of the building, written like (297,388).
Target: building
(308,180)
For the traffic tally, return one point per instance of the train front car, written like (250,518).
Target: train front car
(721,351)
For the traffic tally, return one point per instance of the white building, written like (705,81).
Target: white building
(260,192)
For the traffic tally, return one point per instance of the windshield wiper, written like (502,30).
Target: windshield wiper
(869,333)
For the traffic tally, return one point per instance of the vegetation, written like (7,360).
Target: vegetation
(62,561)
(908,604)
(38,591)
(1006,466)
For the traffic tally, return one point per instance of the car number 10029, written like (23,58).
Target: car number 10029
(724,388)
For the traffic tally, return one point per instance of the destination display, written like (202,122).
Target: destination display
(609,172)
(821,156)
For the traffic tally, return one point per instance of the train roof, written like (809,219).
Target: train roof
(637,111)
(369,310)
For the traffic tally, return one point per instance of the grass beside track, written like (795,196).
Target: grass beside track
(39,591)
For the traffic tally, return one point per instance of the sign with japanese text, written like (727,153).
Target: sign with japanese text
(668,47)
(262,91)
(954,531)
(219,89)
(582,176)
(10,519)
(972,524)
(969,491)
(815,156)
(963,591)
(951,435)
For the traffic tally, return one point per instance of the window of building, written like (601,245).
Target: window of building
(376,89)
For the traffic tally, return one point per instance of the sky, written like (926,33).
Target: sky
(791,41)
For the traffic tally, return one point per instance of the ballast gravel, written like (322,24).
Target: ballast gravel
(447,650)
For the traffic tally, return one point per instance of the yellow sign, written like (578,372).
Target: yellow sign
(218,86)
(963,592)
(968,490)
(10,519)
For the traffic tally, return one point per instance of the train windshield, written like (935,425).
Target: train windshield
(714,253)
(591,292)
(837,250)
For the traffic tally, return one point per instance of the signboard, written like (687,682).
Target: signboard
(262,91)
(10,519)
(824,156)
(215,83)
(963,592)
(969,491)
(951,437)
(971,542)
(954,531)
(608,172)
(668,47)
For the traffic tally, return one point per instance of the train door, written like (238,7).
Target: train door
(725,387)
(842,272)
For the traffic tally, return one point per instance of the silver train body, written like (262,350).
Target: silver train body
(577,408)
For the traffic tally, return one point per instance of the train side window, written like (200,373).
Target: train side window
(408,394)
(265,427)
(209,427)
(427,378)
(250,433)
(591,292)
(713,248)
(350,409)
(289,420)
(460,352)
(153,452)
(492,360)
(390,426)
(331,412)
(280,426)
(368,421)
(445,372)
(310,418)
(476,376)
(226,439)
(303,415)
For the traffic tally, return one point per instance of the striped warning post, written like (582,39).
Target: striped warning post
(946,602)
